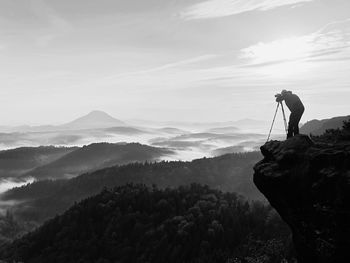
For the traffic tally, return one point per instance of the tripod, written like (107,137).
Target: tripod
(274,118)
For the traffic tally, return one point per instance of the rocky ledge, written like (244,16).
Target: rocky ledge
(308,184)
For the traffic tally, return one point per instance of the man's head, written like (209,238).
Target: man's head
(285,92)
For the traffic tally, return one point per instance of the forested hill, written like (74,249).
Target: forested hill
(16,162)
(97,156)
(318,127)
(44,199)
(50,162)
(134,223)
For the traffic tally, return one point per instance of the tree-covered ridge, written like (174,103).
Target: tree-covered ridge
(97,156)
(335,135)
(51,162)
(44,199)
(10,228)
(135,223)
(19,161)
(319,127)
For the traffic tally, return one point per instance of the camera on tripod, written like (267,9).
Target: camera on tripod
(279,97)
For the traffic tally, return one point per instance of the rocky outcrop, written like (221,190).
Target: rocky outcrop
(308,183)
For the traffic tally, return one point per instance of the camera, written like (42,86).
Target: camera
(279,97)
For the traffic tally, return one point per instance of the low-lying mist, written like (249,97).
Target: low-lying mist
(188,142)
(8,183)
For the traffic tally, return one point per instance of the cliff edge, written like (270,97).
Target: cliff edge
(308,184)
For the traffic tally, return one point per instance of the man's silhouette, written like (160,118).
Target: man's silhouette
(296,108)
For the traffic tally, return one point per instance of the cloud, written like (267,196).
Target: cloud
(130,83)
(331,42)
(7,184)
(222,8)
(164,67)
(58,25)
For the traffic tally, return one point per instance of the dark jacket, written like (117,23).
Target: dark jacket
(293,102)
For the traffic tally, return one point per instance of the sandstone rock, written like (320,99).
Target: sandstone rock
(309,185)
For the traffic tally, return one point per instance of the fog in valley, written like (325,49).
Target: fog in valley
(183,141)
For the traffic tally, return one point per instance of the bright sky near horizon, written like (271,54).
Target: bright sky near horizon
(187,60)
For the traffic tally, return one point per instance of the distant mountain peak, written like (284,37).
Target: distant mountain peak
(94,119)
(98,113)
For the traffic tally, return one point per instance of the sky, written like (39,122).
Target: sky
(171,60)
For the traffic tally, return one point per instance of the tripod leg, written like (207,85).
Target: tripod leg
(273,122)
(284,119)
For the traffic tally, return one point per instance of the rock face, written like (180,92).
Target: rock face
(309,185)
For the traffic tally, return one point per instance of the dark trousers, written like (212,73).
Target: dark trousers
(293,125)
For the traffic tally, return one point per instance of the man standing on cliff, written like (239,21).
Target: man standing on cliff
(296,108)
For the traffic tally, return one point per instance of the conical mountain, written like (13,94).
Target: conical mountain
(93,120)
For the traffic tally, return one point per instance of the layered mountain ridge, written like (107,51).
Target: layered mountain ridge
(318,127)
(66,162)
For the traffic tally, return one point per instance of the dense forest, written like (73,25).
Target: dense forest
(44,199)
(11,228)
(136,223)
